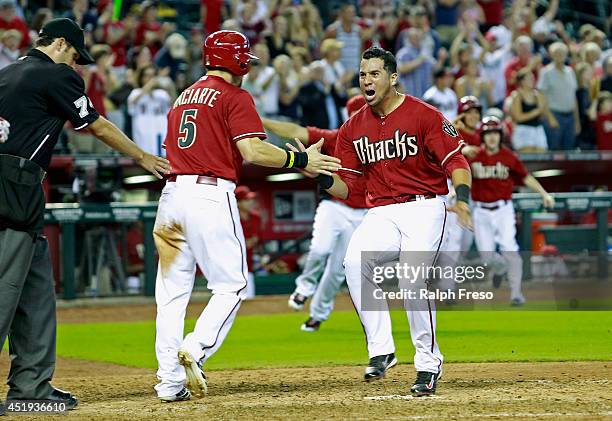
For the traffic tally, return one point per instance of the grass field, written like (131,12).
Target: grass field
(276,341)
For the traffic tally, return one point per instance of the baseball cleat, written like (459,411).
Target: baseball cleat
(196,380)
(297,301)
(183,395)
(311,325)
(517,302)
(378,366)
(425,383)
(497,280)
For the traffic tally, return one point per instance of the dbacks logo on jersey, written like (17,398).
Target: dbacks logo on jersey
(401,146)
(497,171)
(449,129)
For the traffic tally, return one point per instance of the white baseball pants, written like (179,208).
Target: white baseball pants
(196,224)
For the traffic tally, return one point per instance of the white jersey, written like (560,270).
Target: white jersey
(445,101)
(149,121)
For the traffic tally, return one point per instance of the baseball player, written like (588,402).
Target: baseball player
(212,127)
(38,94)
(494,167)
(334,224)
(402,147)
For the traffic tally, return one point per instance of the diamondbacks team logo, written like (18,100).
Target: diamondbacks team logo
(498,171)
(401,145)
(449,129)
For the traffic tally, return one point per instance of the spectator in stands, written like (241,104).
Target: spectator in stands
(557,82)
(40,18)
(252,24)
(346,30)
(524,58)
(289,87)
(494,59)
(149,30)
(311,23)
(148,105)
(472,84)
(447,18)
(278,40)
(493,13)
(211,11)
(172,56)
(528,109)
(195,68)
(415,65)
(80,13)
(117,35)
(263,83)
(441,95)
(336,75)
(584,97)
(602,115)
(318,105)
(591,53)
(10,20)
(606,81)
(430,39)
(471,11)
(9,47)
(99,81)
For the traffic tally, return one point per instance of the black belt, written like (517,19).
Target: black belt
(21,170)
(492,207)
(202,179)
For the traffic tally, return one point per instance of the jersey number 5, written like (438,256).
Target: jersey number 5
(188,129)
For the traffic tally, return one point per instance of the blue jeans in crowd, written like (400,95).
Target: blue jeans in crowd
(564,137)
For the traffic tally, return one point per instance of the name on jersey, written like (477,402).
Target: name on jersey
(401,146)
(204,96)
(499,171)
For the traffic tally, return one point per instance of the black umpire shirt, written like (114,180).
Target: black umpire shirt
(37,97)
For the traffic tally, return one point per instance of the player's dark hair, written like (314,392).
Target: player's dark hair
(44,41)
(390,64)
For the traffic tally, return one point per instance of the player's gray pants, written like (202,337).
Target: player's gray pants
(333,227)
(27,313)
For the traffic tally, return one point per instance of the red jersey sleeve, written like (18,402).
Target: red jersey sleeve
(352,169)
(242,118)
(518,170)
(329,136)
(442,140)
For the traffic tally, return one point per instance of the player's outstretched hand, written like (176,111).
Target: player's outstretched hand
(548,201)
(464,214)
(300,148)
(155,165)
(319,163)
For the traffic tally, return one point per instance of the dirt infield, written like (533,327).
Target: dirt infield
(542,391)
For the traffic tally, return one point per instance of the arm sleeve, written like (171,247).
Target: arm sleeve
(352,169)
(330,136)
(517,168)
(67,94)
(242,119)
(442,141)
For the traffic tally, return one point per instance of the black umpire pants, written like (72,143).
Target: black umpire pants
(27,313)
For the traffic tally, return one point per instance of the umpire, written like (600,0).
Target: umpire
(38,94)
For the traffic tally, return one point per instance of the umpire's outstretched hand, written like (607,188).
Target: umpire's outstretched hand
(155,165)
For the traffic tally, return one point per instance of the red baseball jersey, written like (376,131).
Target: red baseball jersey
(493,176)
(472,139)
(205,123)
(357,197)
(404,153)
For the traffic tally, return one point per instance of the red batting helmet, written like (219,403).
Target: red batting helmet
(491,124)
(229,50)
(466,103)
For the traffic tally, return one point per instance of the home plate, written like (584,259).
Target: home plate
(398,397)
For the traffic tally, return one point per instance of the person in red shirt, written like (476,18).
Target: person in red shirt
(524,58)
(334,224)
(148,30)
(250,219)
(213,127)
(495,168)
(603,121)
(468,119)
(402,148)
(9,20)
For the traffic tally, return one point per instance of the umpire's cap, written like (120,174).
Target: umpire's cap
(68,29)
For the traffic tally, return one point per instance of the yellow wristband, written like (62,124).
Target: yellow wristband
(291,159)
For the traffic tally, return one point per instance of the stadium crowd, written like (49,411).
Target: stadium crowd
(549,79)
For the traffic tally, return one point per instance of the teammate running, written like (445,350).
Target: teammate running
(334,224)
(494,167)
(402,147)
(212,127)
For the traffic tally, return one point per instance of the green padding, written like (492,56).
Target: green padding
(275,284)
